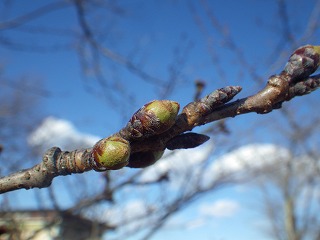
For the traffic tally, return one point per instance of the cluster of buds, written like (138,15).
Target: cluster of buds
(157,117)
(152,119)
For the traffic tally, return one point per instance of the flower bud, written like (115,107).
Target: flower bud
(303,62)
(111,153)
(153,118)
(144,159)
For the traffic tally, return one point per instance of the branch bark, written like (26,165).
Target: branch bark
(293,81)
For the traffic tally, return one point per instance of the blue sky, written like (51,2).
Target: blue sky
(150,33)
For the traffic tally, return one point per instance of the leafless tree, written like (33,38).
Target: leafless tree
(289,188)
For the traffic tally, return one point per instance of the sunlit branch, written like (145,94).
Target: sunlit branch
(156,126)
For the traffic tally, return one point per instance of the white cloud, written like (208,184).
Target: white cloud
(221,208)
(239,162)
(250,156)
(62,133)
(187,164)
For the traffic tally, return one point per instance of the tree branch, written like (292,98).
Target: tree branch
(23,19)
(106,52)
(151,128)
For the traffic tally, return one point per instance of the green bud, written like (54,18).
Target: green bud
(153,118)
(317,49)
(111,153)
(165,110)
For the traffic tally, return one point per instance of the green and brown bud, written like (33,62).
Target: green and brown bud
(303,62)
(144,159)
(153,118)
(111,153)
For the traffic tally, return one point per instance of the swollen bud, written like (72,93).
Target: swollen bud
(111,153)
(144,159)
(153,118)
(303,62)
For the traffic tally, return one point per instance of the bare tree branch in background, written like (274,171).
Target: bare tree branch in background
(89,43)
(16,105)
(289,189)
(90,38)
(290,199)
(21,20)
